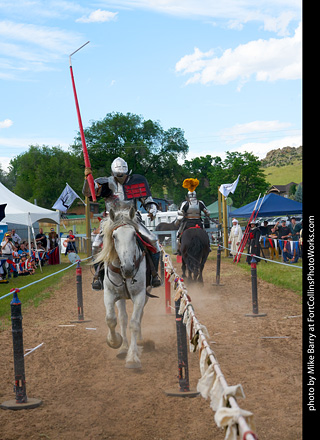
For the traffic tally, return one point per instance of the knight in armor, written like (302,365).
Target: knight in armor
(189,214)
(122,190)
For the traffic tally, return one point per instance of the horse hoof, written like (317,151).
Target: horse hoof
(122,353)
(133,365)
(148,345)
(116,343)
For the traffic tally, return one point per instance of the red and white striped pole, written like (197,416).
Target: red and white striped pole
(83,140)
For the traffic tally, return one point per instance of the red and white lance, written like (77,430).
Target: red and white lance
(245,236)
(89,177)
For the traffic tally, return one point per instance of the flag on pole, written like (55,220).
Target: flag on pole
(66,199)
(228,188)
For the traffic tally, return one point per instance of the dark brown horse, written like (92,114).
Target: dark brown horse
(163,226)
(195,248)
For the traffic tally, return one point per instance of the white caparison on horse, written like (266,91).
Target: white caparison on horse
(125,278)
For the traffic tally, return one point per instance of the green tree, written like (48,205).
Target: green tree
(298,194)
(146,147)
(213,172)
(41,173)
(252,180)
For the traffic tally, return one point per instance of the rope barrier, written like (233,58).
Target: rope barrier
(265,259)
(212,382)
(44,278)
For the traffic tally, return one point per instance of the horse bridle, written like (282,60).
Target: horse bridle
(137,262)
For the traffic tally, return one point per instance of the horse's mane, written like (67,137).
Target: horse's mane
(108,252)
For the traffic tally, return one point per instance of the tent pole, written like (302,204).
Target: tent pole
(219,205)
(59,239)
(29,240)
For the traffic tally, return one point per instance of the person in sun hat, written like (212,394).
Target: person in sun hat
(235,236)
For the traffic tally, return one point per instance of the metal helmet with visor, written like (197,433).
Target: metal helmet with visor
(119,169)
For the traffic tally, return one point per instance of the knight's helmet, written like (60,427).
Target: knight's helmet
(119,169)
(191,185)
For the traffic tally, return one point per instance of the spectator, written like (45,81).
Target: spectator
(284,230)
(290,251)
(301,240)
(8,251)
(25,265)
(53,247)
(94,233)
(295,229)
(71,243)
(253,243)
(235,236)
(23,249)
(15,237)
(265,228)
(41,237)
(273,237)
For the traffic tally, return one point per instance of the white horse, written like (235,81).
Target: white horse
(125,278)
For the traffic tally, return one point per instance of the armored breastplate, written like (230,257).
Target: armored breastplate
(193,210)
(117,199)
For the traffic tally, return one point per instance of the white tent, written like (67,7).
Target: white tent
(21,212)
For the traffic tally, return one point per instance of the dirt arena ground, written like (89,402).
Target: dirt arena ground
(87,392)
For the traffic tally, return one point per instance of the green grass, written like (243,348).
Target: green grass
(286,277)
(80,226)
(34,294)
(284,174)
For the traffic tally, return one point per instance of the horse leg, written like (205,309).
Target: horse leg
(200,278)
(183,268)
(132,359)
(114,339)
(123,321)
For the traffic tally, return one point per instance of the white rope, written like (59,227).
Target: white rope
(238,416)
(44,278)
(261,258)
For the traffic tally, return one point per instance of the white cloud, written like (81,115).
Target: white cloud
(98,16)
(259,149)
(6,123)
(28,47)
(4,163)
(266,60)
(275,15)
(260,128)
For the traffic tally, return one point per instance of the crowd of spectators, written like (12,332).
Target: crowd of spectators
(283,239)
(17,259)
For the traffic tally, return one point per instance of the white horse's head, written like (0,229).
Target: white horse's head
(124,239)
(119,241)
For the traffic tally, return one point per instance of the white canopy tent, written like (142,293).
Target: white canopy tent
(21,212)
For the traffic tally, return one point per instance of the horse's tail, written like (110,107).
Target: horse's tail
(194,254)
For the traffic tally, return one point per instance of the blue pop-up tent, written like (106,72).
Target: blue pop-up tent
(272,205)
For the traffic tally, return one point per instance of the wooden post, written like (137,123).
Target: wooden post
(225,226)
(88,229)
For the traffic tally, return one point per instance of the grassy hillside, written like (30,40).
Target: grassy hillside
(284,174)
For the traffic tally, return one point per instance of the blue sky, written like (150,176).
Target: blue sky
(228,73)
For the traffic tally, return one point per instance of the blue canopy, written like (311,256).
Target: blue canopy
(272,205)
